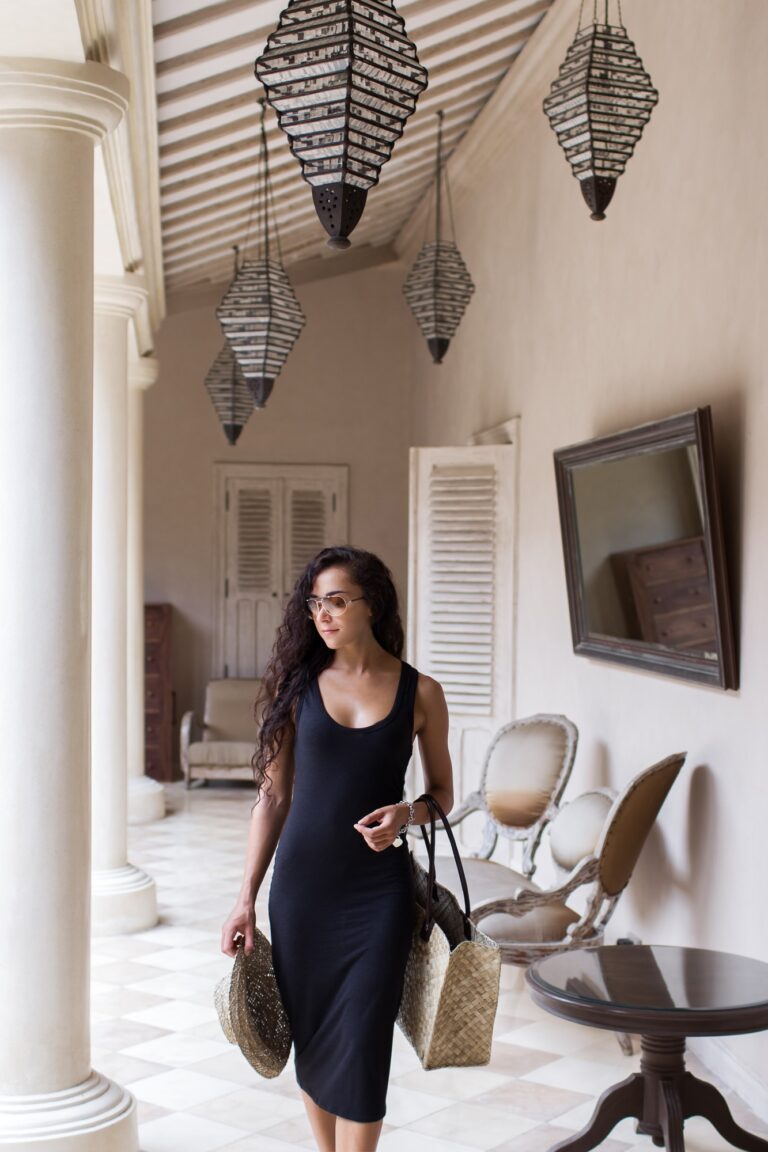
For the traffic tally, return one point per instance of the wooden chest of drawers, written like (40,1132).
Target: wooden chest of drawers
(159,717)
(668,598)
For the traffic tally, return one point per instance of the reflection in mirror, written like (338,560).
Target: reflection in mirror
(644,553)
(641,541)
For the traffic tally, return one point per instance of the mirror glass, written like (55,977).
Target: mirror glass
(643,549)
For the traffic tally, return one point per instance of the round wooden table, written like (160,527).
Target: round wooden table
(665,994)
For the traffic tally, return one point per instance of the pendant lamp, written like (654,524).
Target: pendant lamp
(439,287)
(259,313)
(343,77)
(598,106)
(229,394)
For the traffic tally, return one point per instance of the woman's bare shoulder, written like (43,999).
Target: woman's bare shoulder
(429,702)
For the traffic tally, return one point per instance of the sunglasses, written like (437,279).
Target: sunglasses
(335,605)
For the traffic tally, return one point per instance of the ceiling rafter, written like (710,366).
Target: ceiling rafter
(235,210)
(499,47)
(256,38)
(200,202)
(252,122)
(249,145)
(208,126)
(222,224)
(200,16)
(298,205)
(414,183)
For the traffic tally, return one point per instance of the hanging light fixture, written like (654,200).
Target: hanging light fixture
(343,77)
(439,287)
(259,313)
(229,394)
(598,106)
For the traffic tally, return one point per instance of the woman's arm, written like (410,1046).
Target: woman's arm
(432,732)
(267,820)
(433,744)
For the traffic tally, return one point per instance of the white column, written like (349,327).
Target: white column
(124,897)
(52,113)
(146,797)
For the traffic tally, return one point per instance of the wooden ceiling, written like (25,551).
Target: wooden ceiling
(208,117)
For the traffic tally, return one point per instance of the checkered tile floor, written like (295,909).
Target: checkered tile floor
(155,1029)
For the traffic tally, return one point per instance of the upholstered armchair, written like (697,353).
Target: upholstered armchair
(595,842)
(222,747)
(524,772)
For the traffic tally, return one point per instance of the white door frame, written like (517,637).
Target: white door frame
(222,473)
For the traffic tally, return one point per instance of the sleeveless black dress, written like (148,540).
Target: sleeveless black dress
(341,915)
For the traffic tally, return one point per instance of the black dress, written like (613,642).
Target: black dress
(341,915)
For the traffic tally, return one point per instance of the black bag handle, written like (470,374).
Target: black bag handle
(432,894)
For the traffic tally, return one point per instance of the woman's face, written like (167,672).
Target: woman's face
(354,623)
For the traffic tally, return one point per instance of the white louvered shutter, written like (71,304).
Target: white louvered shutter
(461,594)
(309,512)
(252,602)
(460,622)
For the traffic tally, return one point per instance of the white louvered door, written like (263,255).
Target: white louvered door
(461,594)
(270,520)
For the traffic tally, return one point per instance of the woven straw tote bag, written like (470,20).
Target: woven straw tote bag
(451,985)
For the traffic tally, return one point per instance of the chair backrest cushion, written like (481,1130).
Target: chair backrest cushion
(575,831)
(229,710)
(631,819)
(526,768)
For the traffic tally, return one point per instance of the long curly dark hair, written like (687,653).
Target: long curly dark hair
(299,653)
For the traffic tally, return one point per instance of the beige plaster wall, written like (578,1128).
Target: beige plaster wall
(343,398)
(584,328)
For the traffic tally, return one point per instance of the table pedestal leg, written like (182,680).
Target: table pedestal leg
(703,1099)
(624,1099)
(661,1097)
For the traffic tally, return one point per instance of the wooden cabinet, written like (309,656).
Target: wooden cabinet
(667,594)
(159,710)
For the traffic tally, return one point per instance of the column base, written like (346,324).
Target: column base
(146,800)
(122,900)
(95,1116)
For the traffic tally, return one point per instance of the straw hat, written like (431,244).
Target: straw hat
(251,1012)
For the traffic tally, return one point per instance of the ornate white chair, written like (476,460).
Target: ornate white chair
(524,773)
(226,741)
(596,842)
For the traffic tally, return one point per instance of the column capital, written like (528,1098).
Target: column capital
(125,296)
(143,373)
(88,98)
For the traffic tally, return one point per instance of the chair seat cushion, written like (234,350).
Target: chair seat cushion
(488,880)
(222,753)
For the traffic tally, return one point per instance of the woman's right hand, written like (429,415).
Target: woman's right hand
(241,922)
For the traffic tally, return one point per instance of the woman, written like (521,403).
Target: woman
(341,711)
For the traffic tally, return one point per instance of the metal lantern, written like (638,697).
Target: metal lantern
(229,395)
(343,77)
(438,287)
(259,313)
(598,106)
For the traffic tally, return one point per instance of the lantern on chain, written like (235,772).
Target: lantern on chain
(598,106)
(259,313)
(229,394)
(343,77)
(439,287)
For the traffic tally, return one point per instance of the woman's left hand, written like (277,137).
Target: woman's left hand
(387,821)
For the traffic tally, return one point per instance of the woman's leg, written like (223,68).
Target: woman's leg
(354,1137)
(323,1124)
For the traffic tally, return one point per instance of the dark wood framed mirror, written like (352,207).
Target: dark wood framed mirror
(643,546)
